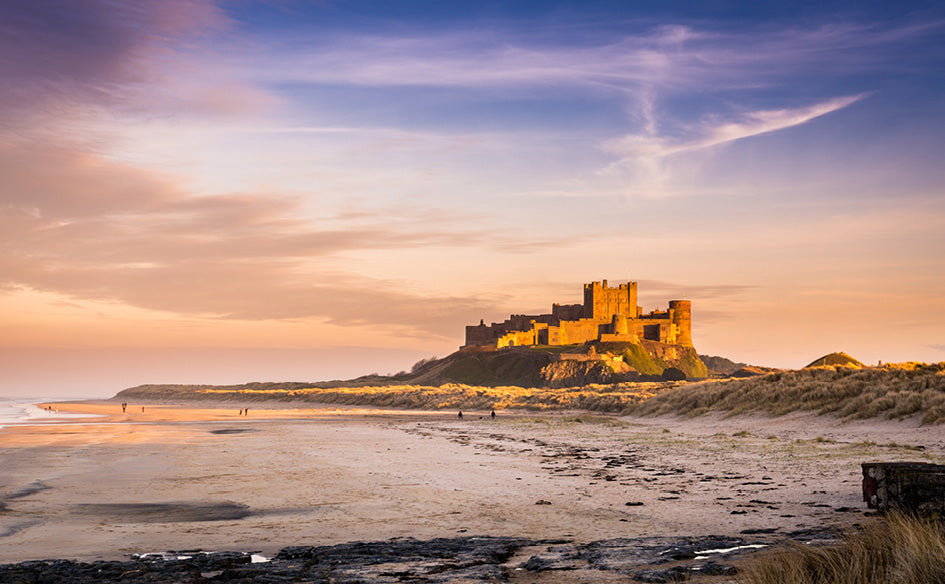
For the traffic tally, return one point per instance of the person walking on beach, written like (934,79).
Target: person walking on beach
(123,406)
(245,411)
(460,415)
(493,414)
(241,411)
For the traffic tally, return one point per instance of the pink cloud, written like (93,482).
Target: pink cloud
(89,228)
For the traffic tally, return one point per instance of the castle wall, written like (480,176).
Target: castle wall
(608,314)
(580,331)
(567,311)
(516,339)
(480,335)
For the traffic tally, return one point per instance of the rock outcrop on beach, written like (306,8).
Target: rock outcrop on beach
(443,560)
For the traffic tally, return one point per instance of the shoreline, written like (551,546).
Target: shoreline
(183,477)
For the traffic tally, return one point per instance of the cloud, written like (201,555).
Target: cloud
(671,57)
(737,73)
(65,58)
(89,228)
(665,289)
(648,150)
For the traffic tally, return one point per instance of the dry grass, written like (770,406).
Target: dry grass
(893,550)
(601,398)
(892,391)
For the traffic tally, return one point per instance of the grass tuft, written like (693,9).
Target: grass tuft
(898,549)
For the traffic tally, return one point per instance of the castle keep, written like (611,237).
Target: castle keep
(607,314)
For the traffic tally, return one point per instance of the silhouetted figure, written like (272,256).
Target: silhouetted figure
(493,414)
(460,415)
(241,411)
(123,406)
(246,411)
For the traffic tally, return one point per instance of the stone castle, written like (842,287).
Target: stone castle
(607,314)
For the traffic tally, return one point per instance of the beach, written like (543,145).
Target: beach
(192,476)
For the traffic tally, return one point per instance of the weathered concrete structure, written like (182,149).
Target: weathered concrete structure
(608,314)
(911,487)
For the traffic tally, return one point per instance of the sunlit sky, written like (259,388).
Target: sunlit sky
(196,191)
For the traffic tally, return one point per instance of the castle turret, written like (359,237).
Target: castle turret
(681,311)
(618,325)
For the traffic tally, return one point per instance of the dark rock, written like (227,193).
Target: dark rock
(628,554)
(712,568)
(436,561)
(674,574)
(543,563)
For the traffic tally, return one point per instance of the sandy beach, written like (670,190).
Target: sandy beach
(191,476)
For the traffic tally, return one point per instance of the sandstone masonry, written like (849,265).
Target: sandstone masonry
(607,314)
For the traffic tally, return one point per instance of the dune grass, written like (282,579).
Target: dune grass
(898,549)
(613,398)
(892,391)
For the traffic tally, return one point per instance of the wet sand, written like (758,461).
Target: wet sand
(189,476)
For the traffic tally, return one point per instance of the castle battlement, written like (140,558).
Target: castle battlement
(607,314)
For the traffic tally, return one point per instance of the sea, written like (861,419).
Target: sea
(18,411)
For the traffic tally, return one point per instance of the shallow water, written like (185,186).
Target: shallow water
(21,411)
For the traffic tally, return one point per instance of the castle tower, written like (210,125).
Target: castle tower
(619,325)
(682,318)
(601,301)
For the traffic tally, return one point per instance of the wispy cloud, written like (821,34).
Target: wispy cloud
(744,78)
(668,57)
(647,151)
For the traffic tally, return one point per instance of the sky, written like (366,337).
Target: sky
(223,192)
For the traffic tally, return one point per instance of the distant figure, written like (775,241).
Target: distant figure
(460,415)
(142,409)
(241,411)
(245,411)
(123,406)
(493,414)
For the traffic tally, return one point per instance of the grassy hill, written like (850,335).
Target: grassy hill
(840,359)
(891,391)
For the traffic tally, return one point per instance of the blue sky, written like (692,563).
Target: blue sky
(335,177)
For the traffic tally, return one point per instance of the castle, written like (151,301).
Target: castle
(608,314)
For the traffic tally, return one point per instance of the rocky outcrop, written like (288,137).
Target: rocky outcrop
(573,373)
(721,365)
(435,561)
